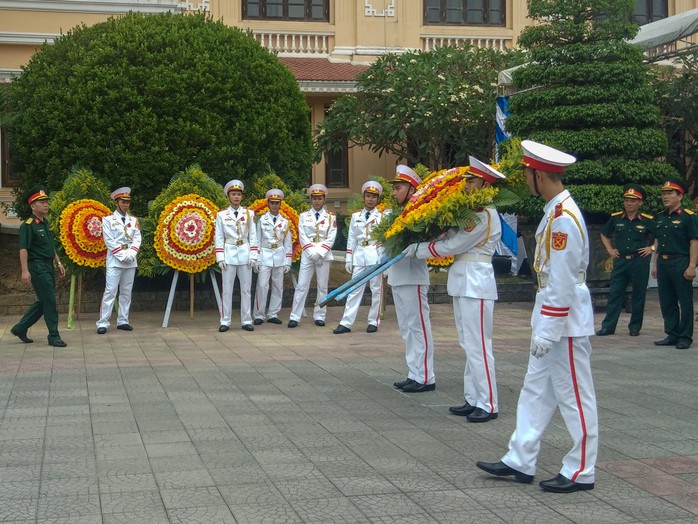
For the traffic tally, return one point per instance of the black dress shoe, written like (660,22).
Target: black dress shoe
(562,484)
(371,328)
(603,332)
(480,415)
(634,333)
(292,323)
(668,341)
(247,327)
(101,330)
(683,344)
(124,327)
(500,469)
(340,330)
(223,329)
(274,320)
(462,411)
(22,336)
(320,323)
(57,343)
(258,321)
(402,383)
(416,387)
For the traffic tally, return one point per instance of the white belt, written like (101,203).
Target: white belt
(238,242)
(272,245)
(474,257)
(543,279)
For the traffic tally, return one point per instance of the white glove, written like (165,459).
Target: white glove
(287,269)
(252,263)
(410,251)
(348,267)
(312,256)
(540,346)
(222,265)
(255,266)
(128,259)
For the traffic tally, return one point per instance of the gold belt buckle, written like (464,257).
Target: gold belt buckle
(239,242)
(364,243)
(316,238)
(274,246)
(124,246)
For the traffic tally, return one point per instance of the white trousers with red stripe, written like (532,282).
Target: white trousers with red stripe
(308,268)
(351,309)
(243,273)
(474,321)
(561,379)
(412,310)
(118,279)
(276,275)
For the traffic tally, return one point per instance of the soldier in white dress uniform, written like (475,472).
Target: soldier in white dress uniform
(317,229)
(236,254)
(275,255)
(472,285)
(362,252)
(559,370)
(122,236)
(409,283)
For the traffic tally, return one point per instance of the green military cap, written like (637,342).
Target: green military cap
(37,193)
(633,191)
(673,183)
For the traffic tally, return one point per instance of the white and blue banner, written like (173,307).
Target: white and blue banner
(500,119)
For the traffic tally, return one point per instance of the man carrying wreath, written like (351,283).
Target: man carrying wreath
(275,254)
(236,254)
(122,236)
(472,285)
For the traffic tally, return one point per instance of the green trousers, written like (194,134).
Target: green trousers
(675,298)
(637,273)
(44,283)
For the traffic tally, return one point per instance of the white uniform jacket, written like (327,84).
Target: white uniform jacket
(275,241)
(471,274)
(563,303)
(362,250)
(122,238)
(317,234)
(236,236)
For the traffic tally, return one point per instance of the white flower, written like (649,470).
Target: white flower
(441,77)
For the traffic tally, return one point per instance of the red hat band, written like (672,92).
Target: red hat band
(542,166)
(670,186)
(482,174)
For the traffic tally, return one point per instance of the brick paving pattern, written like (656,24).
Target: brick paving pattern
(189,425)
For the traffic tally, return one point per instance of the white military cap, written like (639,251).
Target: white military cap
(124,193)
(275,194)
(317,189)
(372,187)
(545,158)
(234,185)
(406,174)
(484,171)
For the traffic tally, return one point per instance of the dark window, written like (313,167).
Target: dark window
(337,168)
(306,10)
(647,11)
(464,12)
(9,179)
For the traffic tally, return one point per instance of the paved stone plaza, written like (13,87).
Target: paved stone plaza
(189,425)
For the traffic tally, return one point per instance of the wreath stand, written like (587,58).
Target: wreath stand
(73,308)
(173,287)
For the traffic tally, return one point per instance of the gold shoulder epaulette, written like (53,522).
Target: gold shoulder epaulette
(616,213)
(28,221)
(689,211)
(646,215)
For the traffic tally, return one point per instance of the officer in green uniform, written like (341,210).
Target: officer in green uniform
(37,256)
(675,265)
(629,238)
